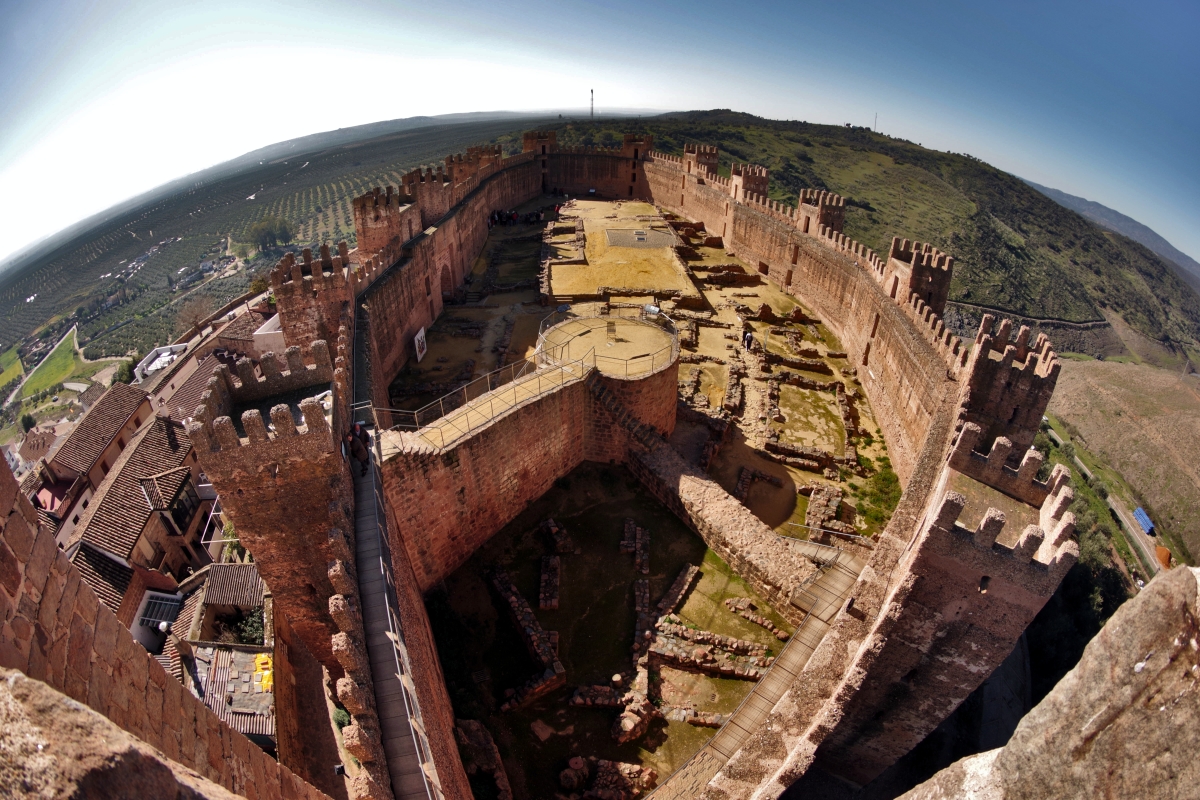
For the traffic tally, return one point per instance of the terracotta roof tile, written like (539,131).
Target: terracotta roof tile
(243,326)
(108,578)
(119,510)
(89,396)
(37,443)
(234,585)
(160,489)
(98,427)
(182,403)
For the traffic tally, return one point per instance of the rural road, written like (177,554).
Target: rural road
(1136,536)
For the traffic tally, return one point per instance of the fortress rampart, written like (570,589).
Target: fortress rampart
(936,608)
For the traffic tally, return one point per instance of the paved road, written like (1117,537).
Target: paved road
(1136,536)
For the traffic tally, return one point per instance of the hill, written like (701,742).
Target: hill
(119,274)
(1016,250)
(1117,222)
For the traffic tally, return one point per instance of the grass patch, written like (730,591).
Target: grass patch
(10,363)
(55,368)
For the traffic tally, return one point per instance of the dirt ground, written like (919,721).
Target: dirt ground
(1145,422)
(483,655)
(652,269)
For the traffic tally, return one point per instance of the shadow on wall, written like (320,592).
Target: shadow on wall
(985,720)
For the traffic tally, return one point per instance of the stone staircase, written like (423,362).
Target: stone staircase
(645,435)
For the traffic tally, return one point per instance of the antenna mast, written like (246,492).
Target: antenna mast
(593,93)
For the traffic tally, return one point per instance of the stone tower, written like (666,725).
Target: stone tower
(992,547)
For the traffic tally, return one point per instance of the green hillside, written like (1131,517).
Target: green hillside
(1015,248)
(80,280)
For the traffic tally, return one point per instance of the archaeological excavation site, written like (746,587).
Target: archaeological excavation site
(659,488)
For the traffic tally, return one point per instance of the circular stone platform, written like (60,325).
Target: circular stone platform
(620,347)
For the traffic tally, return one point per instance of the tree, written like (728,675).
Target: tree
(259,284)
(270,231)
(192,313)
(27,422)
(125,372)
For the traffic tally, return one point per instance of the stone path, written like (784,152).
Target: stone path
(403,739)
(828,593)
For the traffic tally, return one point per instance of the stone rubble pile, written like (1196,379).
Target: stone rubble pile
(734,392)
(808,364)
(822,510)
(708,658)
(548,594)
(543,646)
(745,609)
(602,696)
(673,626)
(616,780)
(558,537)
(635,720)
(480,754)
(700,719)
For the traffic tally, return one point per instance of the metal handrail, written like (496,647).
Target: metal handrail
(552,353)
(399,650)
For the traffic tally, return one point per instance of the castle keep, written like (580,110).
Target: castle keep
(890,636)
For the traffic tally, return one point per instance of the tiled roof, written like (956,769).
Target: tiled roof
(234,585)
(89,396)
(108,578)
(243,326)
(187,613)
(98,427)
(160,489)
(32,480)
(37,443)
(119,511)
(182,403)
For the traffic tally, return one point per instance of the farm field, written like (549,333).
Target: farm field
(10,363)
(202,221)
(62,364)
(1145,422)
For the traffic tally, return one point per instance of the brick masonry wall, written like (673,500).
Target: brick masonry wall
(612,176)
(448,503)
(53,629)
(408,296)
(905,376)
(437,714)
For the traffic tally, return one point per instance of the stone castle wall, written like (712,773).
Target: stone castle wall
(904,372)
(55,630)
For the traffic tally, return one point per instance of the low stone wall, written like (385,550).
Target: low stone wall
(729,528)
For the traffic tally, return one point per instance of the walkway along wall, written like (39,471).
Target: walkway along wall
(55,630)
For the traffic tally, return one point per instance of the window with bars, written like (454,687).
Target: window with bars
(160,608)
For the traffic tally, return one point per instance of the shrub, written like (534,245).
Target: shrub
(341,717)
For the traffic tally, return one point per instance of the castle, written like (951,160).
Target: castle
(939,602)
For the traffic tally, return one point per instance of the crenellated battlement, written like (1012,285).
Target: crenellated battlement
(1009,383)
(923,269)
(993,470)
(1035,563)
(304,275)
(700,159)
(223,450)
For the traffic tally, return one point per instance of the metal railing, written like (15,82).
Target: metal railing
(442,424)
(401,661)
(553,353)
(462,412)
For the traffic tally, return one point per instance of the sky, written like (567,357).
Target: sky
(101,100)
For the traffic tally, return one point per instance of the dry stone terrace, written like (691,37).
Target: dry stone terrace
(878,442)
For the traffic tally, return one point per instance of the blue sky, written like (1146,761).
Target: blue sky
(102,100)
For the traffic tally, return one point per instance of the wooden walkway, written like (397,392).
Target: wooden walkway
(403,738)
(821,599)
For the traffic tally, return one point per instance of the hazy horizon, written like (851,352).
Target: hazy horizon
(107,100)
